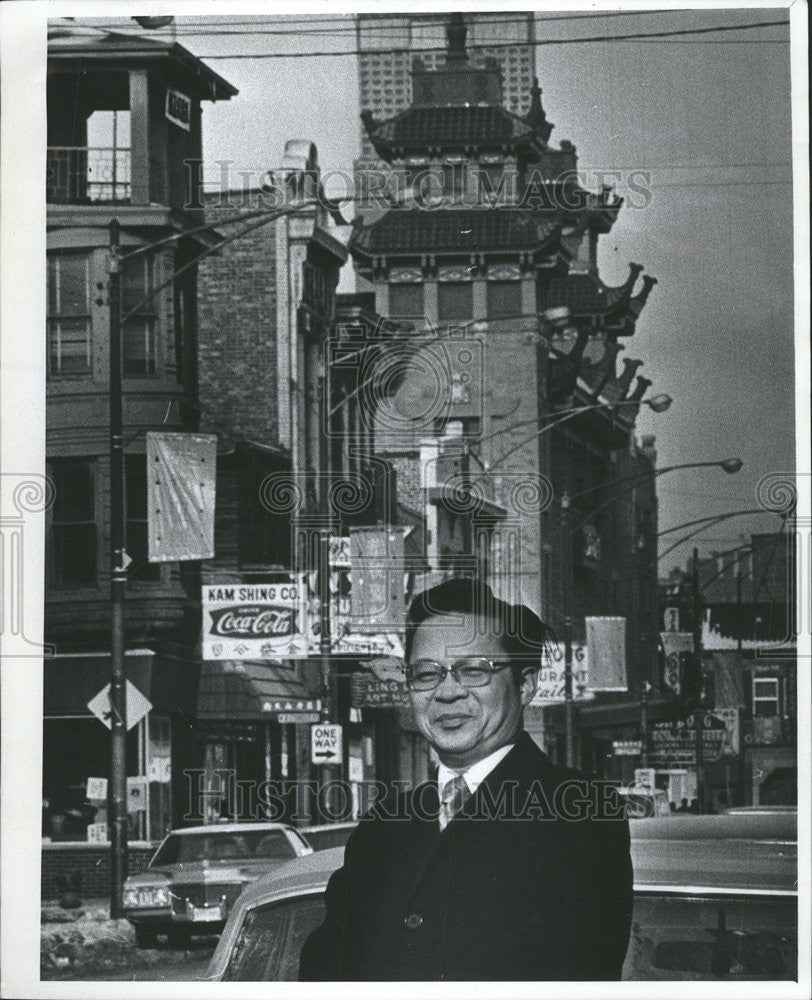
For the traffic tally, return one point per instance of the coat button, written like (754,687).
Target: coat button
(413,921)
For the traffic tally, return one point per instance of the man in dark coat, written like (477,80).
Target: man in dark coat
(507,866)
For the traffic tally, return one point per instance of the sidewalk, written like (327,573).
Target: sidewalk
(84,939)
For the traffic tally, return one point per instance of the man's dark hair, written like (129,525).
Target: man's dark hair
(523,634)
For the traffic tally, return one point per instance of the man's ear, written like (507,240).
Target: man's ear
(529,683)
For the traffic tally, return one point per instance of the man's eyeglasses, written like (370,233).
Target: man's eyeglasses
(470,672)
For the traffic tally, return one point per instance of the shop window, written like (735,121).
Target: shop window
(455,300)
(406,300)
(69,325)
(159,776)
(139,331)
(74,750)
(72,559)
(140,570)
(765,696)
(504,299)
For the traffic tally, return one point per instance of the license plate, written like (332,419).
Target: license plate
(145,899)
(206,913)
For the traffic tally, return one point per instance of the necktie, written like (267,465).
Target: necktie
(455,795)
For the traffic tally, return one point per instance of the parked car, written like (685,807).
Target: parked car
(197,873)
(644,803)
(327,835)
(714,899)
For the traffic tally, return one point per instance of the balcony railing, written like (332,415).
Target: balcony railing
(78,175)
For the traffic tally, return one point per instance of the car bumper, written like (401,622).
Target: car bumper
(162,918)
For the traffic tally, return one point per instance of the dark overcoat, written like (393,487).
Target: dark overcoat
(532,880)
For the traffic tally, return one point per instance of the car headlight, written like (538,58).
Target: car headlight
(147,896)
(130,897)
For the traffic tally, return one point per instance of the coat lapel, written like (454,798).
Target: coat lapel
(422,837)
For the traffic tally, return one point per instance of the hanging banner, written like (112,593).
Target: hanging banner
(181,471)
(675,647)
(376,575)
(606,643)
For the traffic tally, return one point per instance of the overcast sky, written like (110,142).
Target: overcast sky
(709,116)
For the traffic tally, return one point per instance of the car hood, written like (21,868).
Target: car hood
(238,870)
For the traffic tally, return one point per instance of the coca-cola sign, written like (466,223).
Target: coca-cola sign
(252,621)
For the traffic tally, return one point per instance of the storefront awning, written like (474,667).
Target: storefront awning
(250,690)
(72,680)
(619,713)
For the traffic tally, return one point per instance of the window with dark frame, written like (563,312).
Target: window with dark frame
(504,299)
(138,346)
(406,300)
(72,557)
(455,300)
(140,570)
(69,321)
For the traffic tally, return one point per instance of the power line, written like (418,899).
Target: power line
(340,24)
(636,36)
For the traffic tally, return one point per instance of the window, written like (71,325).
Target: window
(140,570)
(455,300)
(453,180)
(69,314)
(185,292)
(138,334)
(73,526)
(406,300)
(504,299)
(765,696)
(264,532)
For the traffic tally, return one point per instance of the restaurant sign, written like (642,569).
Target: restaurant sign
(674,743)
(551,676)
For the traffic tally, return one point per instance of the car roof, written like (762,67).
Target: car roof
(229,828)
(306,874)
(321,827)
(755,853)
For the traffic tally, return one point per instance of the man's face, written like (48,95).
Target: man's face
(466,724)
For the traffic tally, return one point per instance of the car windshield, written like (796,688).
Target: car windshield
(179,848)
(271,939)
(320,840)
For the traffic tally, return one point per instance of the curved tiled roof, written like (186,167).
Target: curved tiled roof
(449,125)
(444,229)
(586,294)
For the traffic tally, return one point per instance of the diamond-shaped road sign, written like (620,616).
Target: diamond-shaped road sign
(137,706)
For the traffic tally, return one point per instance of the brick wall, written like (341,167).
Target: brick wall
(237,330)
(92,862)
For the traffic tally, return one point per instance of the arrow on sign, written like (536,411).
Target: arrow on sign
(324,753)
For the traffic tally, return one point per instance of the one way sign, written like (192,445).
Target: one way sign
(326,744)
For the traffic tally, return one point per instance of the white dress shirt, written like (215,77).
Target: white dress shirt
(475,774)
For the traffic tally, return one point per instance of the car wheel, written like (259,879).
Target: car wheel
(178,937)
(145,938)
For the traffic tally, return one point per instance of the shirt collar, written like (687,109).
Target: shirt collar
(475,774)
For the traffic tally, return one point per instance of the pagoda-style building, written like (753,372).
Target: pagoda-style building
(484,245)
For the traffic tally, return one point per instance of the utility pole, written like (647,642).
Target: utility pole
(566,554)
(644,689)
(696,614)
(117,790)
